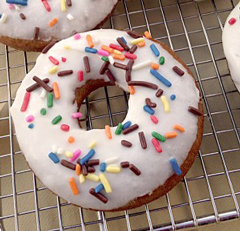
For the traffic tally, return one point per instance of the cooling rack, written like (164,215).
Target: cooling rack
(210,191)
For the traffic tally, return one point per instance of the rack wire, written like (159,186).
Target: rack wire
(210,191)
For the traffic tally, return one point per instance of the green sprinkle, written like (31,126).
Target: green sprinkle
(119,129)
(57,119)
(50,99)
(162,60)
(105,59)
(43,111)
(158,136)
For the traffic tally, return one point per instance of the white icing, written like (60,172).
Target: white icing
(231,45)
(155,167)
(37,16)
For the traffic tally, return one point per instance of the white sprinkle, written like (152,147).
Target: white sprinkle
(96,41)
(70,17)
(111,160)
(17,8)
(43,94)
(3,19)
(54,149)
(111,60)
(60,151)
(142,65)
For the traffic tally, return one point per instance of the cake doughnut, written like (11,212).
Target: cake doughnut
(113,168)
(30,25)
(231,45)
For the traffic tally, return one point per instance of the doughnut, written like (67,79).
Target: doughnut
(112,168)
(30,25)
(231,46)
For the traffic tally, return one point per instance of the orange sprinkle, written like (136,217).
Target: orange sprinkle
(71,139)
(106,48)
(90,41)
(56,90)
(147,35)
(179,128)
(78,169)
(53,22)
(119,57)
(169,135)
(141,44)
(131,90)
(108,132)
(73,186)
(155,66)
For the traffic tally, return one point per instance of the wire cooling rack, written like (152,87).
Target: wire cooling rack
(210,191)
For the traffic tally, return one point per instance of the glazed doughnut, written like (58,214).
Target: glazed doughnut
(30,25)
(119,167)
(231,45)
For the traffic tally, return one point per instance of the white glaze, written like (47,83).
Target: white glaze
(231,45)
(37,143)
(38,16)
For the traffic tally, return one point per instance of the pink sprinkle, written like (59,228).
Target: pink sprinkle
(156,145)
(25,101)
(232,21)
(30,118)
(11,7)
(114,46)
(76,154)
(154,119)
(103,53)
(77,115)
(53,60)
(65,127)
(46,5)
(130,56)
(80,76)
(77,36)
(64,59)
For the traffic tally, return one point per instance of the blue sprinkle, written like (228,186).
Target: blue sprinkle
(99,188)
(103,166)
(127,125)
(155,50)
(173,97)
(91,50)
(0,15)
(87,157)
(18,2)
(160,78)
(124,40)
(53,157)
(31,126)
(148,110)
(175,166)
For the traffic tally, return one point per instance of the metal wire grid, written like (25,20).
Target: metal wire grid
(103,219)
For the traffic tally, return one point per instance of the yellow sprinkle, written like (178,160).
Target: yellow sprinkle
(82,178)
(68,154)
(165,104)
(93,177)
(66,47)
(63,6)
(117,52)
(105,183)
(113,169)
(136,41)
(92,144)
(53,70)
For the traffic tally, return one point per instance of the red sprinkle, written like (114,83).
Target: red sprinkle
(116,47)
(130,56)
(64,59)
(46,5)
(25,101)
(80,76)
(53,60)
(232,21)
(65,127)
(156,145)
